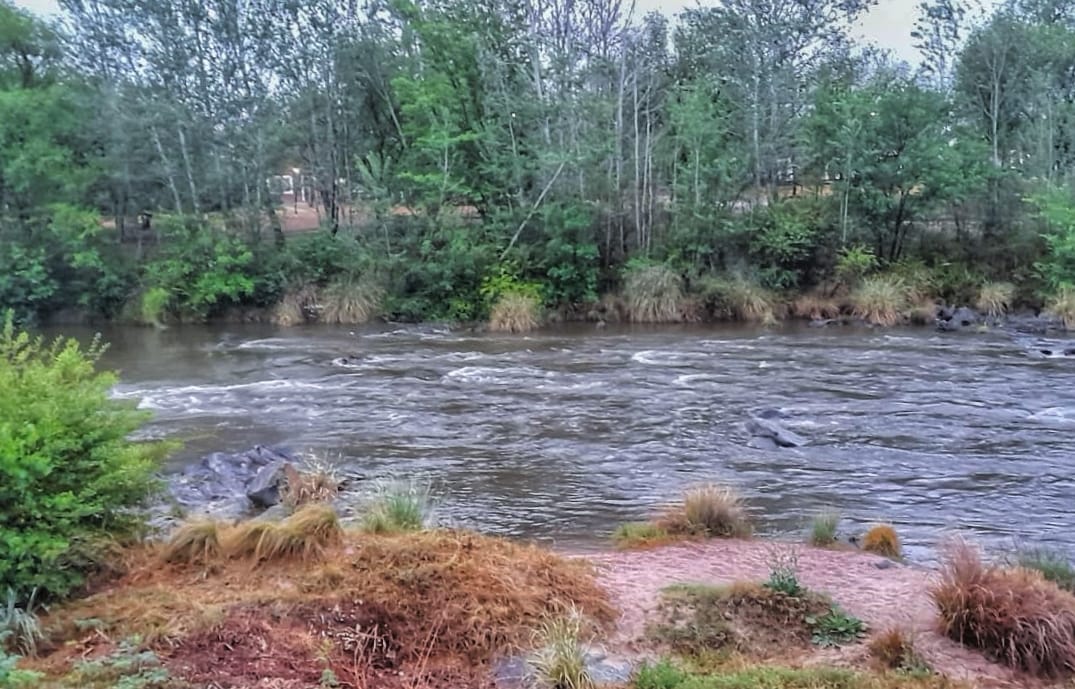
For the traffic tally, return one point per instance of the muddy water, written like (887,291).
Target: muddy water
(561,435)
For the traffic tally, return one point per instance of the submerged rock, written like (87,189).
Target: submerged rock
(957,319)
(762,428)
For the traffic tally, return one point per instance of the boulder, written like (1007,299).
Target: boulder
(264,489)
(222,483)
(770,429)
(958,319)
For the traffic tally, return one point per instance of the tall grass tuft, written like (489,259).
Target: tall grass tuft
(739,299)
(398,507)
(317,482)
(823,528)
(1062,306)
(302,536)
(20,629)
(560,659)
(1051,564)
(708,510)
(292,308)
(1013,615)
(351,301)
(882,540)
(514,312)
(880,300)
(197,541)
(894,649)
(995,298)
(653,294)
(815,306)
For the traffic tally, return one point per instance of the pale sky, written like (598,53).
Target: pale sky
(888,24)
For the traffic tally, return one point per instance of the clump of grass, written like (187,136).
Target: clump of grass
(823,528)
(923,312)
(560,659)
(292,308)
(1053,565)
(20,629)
(815,306)
(399,507)
(639,535)
(653,294)
(894,649)
(316,483)
(739,299)
(995,298)
(514,312)
(880,300)
(1062,306)
(195,542)
(1013,615)
(667,676)
(303,536)
(351,301)
(708,510)
(882,540)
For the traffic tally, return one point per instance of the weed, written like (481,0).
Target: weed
(351,301)
(1013,615)
(653,293)
(784,573)
(398,507)
(639,534)
(514,312)
(1053,565)
(880,300)
(708,510)
(835,628)
(196,541)
(20,629)
(823,528)
(882,540)
(317,482)
(894,649)
(560,659)
(923,312)
(1062,306)
(995,298)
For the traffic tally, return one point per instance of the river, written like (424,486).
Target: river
(561,435)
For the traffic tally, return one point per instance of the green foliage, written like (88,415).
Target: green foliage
(654,292)
(69,474)
(666,676)
(11,676)
(835,628)
(1056,208)
(823,529)
(154,305)
(854,263)
(662,675)
(127,667)
(20,628)
(560,659)
(398,507)
(1053,565)
(636,534)
(784,240)
(784,574)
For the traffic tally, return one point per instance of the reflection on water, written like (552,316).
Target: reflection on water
(562,435)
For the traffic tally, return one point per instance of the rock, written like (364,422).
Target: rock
(760,427)
(953,320)
(884,564)
(760,443)
(1031,323)
(264,489)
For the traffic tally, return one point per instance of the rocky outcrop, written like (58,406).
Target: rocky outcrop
(231,485)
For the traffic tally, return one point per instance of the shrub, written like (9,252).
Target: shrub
(823,528)
(882,540)
(880,300)
(154,306)
(351,301)
(894,649)
(854,263)
(514,313)
(197,541)
(835,628)
(1053,565)
(20,630)
(70,476)
(560,659)
(653,293)
(639,534)
(995,298)
(709,510)
(1062,306)
(1013,615)
(399,507)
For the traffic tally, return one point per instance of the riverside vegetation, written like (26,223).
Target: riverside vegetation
(396,601)
(516,162)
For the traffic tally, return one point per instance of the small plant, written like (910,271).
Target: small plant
(835,628)
(20,630)
(1053,565)
(995,298)
(1062,306)
(196,541)
(854,263)
(708,510)
(882,540)
(823,529)
(639,534)
(784,573)
(894,649)
(560,659)
(653,293)
(662,675)
(880,300)
(316,483)
(515,312)
(351,301)
(398,507)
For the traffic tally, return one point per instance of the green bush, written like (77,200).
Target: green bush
(69,474)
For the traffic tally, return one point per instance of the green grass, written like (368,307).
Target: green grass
(835,628)
(823,528)
(880,300)
(995,298)
(1053,565)
(399,507)
(667,675)
(638,535)
(738,299)
(559,661)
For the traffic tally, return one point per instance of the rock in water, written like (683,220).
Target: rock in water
(958,319)
(771,429)
(264,489)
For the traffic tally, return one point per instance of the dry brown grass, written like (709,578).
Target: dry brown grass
(1062,306)
(880,300)
(883,540)
(815,306)
(894,649)
(995,298)
(292,308)
(351,301)
(515,313)
(317,483)
(708,510)
(305,535)
(197,541)
(653,294)
(923,312)
(1013,615)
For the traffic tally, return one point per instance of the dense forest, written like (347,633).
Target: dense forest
(567,156)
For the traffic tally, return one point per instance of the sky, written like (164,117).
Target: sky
(888,24)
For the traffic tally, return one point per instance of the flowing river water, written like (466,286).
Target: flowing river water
(561,435)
